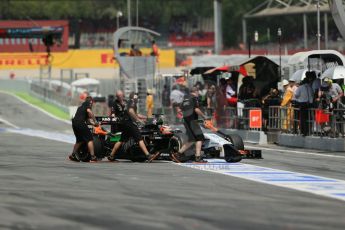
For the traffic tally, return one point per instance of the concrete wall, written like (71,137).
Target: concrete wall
(311,142)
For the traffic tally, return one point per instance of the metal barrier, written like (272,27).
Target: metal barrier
(64,101)
(316,123)
(228,118)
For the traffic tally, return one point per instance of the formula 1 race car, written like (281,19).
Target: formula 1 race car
(163,139)
(157,138)
(219,144)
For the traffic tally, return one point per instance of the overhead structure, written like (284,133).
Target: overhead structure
(271,8)
(338,13)
(137,73)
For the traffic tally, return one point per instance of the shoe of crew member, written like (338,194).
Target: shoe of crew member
(93,159)
(179,157)
(199,159)
(112,159)
(152,157)
(73,157)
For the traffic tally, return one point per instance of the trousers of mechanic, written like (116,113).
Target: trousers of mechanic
(191,111)
(127,114)
(81,131)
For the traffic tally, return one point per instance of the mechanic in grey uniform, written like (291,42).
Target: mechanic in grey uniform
(191,112)
(127,115)
(81,131)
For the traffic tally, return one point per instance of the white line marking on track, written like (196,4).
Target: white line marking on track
(8,123)
(36,107)
(323,186)
(61,137)
(294,151)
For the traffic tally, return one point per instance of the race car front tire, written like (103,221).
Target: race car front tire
(231,153)
(237,141)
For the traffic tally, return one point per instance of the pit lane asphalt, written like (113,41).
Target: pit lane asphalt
(39,189)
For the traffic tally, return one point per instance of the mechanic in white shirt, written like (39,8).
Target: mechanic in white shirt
(176,98)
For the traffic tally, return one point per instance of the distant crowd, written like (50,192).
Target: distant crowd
(218,98)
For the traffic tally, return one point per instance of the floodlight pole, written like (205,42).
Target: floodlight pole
(280,51)
(318,35)
(118,15)
(129,12)
(137,11)
(218,41)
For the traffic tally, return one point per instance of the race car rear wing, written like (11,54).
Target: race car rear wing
(106,120)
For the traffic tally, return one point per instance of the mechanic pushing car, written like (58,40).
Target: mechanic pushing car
(127,116)
(81,131)
(191,111)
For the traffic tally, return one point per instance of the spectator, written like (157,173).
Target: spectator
(304,98)
(231,96)
(329,96)
(334,91)
(134,51)
(149,103)
(221,103)
(211,100)
(286,104)
(247,93)
(316,84)
(271,99)
(176,98)
(246,99)
(199,87)
(154,49)
(203,94)
(166,96)
(288,94)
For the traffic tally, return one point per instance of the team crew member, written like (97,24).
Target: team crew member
(81,130)
(191,111)
(127,115)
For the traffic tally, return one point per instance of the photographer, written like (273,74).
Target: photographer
(332,91)
(329,98)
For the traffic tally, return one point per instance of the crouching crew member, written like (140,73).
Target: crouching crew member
(81,131)
(126,113)
(191,111)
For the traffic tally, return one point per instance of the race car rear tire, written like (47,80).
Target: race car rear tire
(237,141)
(175,143)
(83,154)
(98,147)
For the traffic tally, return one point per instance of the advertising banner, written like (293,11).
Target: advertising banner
(76,59)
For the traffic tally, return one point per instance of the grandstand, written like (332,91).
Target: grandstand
(199,32)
